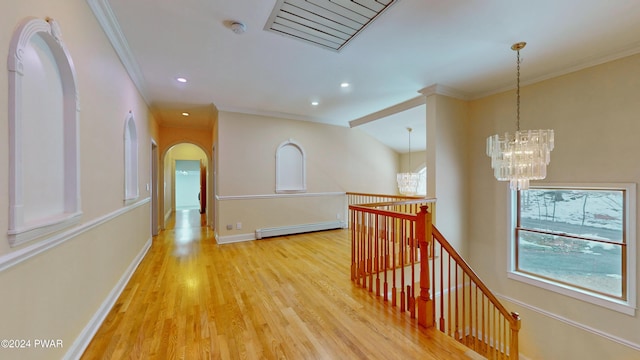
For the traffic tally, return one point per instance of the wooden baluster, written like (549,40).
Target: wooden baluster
(496,331)
(362,241)
(477,322)
(365,249)
(361,230)
(353,245)
(358,230)
(457,320)
(449,295)
(393,263)
(433,244)
(376,256)
(493,337)
(483,330)
(370,235)
(471,328)
(403,246)
(464,308)
(386,258)
(441,289)
(412,298)
(500,333)
(505,337)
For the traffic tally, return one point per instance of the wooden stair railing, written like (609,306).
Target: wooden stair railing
(388,249)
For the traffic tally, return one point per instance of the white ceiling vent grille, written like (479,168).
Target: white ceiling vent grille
(327,23)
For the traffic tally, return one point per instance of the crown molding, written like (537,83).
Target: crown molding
(406,105)
(107,19)
(594,61)
(440,89)
(275,114)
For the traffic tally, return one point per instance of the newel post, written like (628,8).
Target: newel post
(514,352)
(425,303)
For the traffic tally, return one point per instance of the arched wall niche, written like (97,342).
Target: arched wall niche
(44,177)
(291,173)
(131,189)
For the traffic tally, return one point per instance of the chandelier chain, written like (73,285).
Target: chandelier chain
(518,94)
(410,168)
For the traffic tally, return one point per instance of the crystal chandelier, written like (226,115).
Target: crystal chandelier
(524,155)
(408,181)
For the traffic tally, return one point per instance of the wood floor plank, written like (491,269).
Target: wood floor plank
(282,298)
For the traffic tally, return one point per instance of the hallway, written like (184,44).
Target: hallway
(280,298)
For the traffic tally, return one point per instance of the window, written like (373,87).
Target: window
(577,240)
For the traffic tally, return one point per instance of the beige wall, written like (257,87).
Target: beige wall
(594,113)
(413,162)
(338,159)
(447,166)
(55,293)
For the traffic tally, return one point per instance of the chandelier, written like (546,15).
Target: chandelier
(408,181)
(524,155)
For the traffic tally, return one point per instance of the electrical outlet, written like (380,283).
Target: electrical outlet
(238,225)
(229,227)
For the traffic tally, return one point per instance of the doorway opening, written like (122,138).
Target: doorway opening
(187,184)
(185,180)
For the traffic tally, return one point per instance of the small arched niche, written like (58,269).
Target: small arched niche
(44,177)
(290,168)
(131,190)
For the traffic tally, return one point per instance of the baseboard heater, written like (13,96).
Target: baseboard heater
(297,229)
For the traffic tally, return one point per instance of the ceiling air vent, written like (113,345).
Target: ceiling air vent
(330,24)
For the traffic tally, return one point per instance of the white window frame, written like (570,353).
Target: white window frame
(627,306)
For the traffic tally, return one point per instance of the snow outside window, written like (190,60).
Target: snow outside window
(578,241)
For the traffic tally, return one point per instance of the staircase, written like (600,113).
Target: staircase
(398,254)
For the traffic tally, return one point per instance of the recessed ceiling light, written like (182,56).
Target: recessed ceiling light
(185,114)
(315,103)
(181,79)
(344,85)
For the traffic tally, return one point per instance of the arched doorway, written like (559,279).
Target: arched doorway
(185,169)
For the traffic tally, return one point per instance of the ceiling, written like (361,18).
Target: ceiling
(414,44)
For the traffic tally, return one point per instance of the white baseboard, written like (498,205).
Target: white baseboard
(86,335)
(297,229)
(230,239)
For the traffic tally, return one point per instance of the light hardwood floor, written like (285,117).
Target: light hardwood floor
(281,298)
